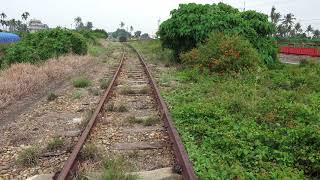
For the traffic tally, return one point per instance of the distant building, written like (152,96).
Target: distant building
(36,25)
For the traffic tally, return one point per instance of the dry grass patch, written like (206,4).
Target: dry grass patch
(25,78)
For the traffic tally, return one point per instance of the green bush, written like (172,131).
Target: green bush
(45,44)
(81,82)
(192,23)
(223,53)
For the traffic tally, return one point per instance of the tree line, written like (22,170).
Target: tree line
(127,32)
(286,26)
(14,25)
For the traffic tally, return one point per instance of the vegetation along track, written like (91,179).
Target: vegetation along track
(131,122)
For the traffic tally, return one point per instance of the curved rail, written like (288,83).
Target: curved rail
(180,153)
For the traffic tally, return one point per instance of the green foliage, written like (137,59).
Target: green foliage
(223,53)
(81,82)
(100,33)
(116,168)
(257,125)
(192,23)
(89,152)
(55,144)
(95,50)
(28,157)
(121,33)
(77,95)
(153,49)
(45,44)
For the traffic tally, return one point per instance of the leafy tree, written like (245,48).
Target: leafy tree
(145,36)
(191,24)
(101,33)
(121,33)
(89,25)
(137,34)
(309,30)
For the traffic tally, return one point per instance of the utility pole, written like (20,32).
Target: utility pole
(244,5)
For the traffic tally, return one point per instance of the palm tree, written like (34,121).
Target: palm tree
(3,16)
(281,29)
(122,24)
(12,25)
(275,16)
(78,22)
(316,34)
(131,29)
(309,29)
(25,16)
(288,21)
(297,28)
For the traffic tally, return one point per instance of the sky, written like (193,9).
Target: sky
(142,14)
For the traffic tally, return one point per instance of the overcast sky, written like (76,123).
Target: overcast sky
(141,14)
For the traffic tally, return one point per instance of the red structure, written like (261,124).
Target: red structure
(314,52)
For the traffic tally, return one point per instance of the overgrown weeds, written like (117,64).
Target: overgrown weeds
(104,83)
(55,144)
(29,157)
(77,95)
(116,168)
(147,121)
(52,96)
(81,82)
(89,152)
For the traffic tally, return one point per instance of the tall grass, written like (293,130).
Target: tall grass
(21,79)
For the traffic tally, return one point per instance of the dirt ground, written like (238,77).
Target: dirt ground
(295,59)
(34,121)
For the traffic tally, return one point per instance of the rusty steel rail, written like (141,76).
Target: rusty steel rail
(69,165)
(180,153)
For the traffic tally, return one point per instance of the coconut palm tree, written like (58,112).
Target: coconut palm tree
(25,16)
(122,24)
(309,30)
(297,28)
(78,22)
(3,16)
(275,16)
(131,29)
(12,25)
(287,22)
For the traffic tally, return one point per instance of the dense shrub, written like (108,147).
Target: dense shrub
(100,33)
(45,44)
(191,24)
(223,53)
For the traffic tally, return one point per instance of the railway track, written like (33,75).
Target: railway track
(131,121)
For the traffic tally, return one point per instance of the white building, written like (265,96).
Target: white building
(36,25)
